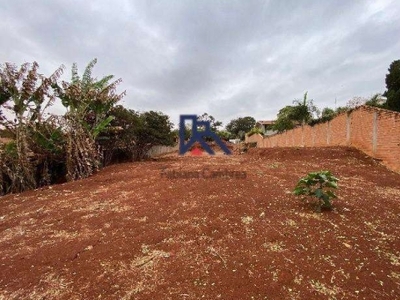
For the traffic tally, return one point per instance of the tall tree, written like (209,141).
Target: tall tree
(301,113)
(285,119)
(131,134)
(155,128)
(119,140)
(214,124)
(88,102)
(327,114)
(393,86)
(303,110)
(244,124)
(24,94)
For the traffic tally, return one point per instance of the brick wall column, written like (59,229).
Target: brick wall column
(313,135)
(375,132)
(348,129)
(328,133)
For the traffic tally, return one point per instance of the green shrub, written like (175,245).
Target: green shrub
(319,186)
(254,130)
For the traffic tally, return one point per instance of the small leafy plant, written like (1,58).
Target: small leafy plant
(320,186)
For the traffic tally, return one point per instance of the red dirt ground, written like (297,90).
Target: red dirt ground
(130,232)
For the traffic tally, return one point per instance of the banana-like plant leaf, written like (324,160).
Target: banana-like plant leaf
(101,126)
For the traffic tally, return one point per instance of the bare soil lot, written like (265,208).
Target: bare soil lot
(133,232)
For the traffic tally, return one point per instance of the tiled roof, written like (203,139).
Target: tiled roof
(266,122)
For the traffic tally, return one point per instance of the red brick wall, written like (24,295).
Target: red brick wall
(338,130)
(372,130)
(361,130)
(388,139)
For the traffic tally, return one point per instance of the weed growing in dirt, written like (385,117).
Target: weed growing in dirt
(318,185)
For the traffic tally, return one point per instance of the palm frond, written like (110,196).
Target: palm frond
(75,75)
(87,75)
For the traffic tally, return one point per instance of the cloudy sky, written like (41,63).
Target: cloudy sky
(227,58)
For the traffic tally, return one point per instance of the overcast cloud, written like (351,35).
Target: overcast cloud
(227,58)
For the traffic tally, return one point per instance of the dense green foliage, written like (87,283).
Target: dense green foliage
(285,119)
(88,102)
(214,124)
(45,148)
(239,126)
(254,130)
(225,135)
(327,114)
(393,86)
(154,129)
(300,113)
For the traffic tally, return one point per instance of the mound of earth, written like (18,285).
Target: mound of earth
(132,231)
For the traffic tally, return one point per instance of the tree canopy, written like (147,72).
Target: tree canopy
(298,114)
(285,119)
(214,124)
(45,148)
(239,125)
(393,86)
